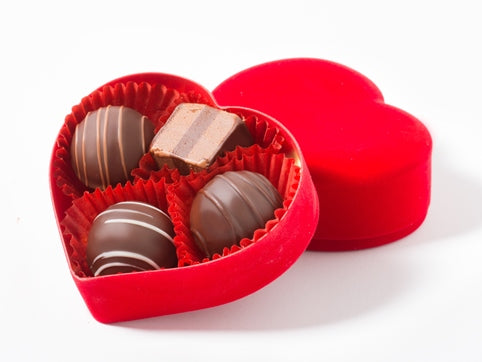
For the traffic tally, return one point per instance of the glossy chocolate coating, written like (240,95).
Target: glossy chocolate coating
(108,144)
(130,236)
(230,207)
(195,134)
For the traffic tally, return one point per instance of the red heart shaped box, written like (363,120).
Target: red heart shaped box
(130,296)
(370,164)
(370,161)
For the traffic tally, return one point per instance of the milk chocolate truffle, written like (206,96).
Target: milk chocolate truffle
(130,236)
(230,207)
(195,134)
(108,144)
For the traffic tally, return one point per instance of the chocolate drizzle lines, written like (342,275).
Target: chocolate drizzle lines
(99,159)
(123,255)
(119,142)
(273,198)
(84,163)
(104,148)
(243,196)
(235,226)
(143,134)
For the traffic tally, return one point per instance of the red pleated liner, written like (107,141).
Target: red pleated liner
(79,217)
(155,101)
(264,134)
(282,172)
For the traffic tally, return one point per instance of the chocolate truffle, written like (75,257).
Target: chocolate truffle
(130,236)
(230,207)
(108,144)
(195,134)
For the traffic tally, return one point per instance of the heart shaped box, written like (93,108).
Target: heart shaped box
(371,170)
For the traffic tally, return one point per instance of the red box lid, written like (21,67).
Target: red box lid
(370,161)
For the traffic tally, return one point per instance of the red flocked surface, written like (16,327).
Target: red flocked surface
(196,283)
(370,161)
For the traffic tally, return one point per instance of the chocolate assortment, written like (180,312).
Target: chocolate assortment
(231,207)
(195,135)
(130,236)
(108,144)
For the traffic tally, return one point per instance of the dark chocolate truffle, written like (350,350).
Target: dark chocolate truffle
(130,236)
(230,207)
(108,144)
(195,134)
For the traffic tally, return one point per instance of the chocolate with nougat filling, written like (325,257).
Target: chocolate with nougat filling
(195,135)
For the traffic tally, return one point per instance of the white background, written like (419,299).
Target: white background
(418,299)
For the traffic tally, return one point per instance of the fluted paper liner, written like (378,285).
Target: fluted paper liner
(276,167)
(79,217)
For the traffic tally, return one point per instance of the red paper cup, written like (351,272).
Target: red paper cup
(281,171)
(80,216)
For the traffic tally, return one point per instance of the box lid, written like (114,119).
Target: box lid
(370,161)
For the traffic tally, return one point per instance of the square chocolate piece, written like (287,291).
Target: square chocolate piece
(195,134)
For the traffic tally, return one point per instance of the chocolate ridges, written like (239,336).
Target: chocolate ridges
(230,207)
(130,236)
(108,144)
(195,134)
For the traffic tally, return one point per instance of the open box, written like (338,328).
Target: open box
(360,178)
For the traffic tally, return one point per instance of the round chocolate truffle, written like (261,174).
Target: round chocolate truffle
(130,236)
(230,207)
(108,144)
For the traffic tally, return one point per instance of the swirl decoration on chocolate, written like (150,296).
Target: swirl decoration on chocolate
(130,236)
(108,144)
(230,207)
